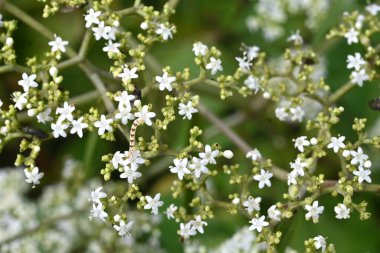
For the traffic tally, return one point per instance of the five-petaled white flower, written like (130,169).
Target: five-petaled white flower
(298,167)
(145,115)
(215,65)
(313,211)
(187,110)
(65,112)
(358,157)
(342,212)
(301,142)
(59,129)
(58,44)
(103,125)
(200,49)
(44,116)
(358,77)
(252,204)
(98,212)
(124,229)
(209,155)
(131,173)
(363,175)
(102,31)
(180,167)
(274,213)
(186,230)
(153,203)
(258,224)
(112,47)
(128,74)
(263,178)
(96,195)
(20,100)
(164,31)
(28,81)
(165,81)
(244,64)
(198,166)
(336,143)
(124,100)
(320,243)
(33,177)
(170,211)
(252,52)
(78,126)
(255,155)
(124,115)
(373,9)
(352,36)
(296,113)
(92,17)
(252,83)
(198,224)
(355,61)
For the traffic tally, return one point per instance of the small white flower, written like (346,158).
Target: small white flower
(258,224)
(124,100)
(28,81)
(198,224)
(252,52)
(209,155)
(198,166)
(78,126)
(102,31)
(355,61)
(281,113)
(313,211)
(134,159)
(252,204)
(296,38)
(358,77)
(363,175)
(112,47)
(255,155)
(153,203)
(352,36)
(187,110)
(124,229)
(97,195)
(92,17)
(165,81)
(59,129)
(252,83)
(130,173)
(124,115)
(199,49)
(103,125)
(301,142)
(98,212)
(186,230)
(33,177)
(336,143)
(164,31)
(342,212)
(244,64)
(373,9)
(215,65)
(263,178)
(58,44)
(358,157)
(20,100)
(274,213)
(65,112)
(292,177)
(145,115)
(298,167)
(128,74)
(170,211)
(320,243)
(296,113)
(180,168)
(118,159)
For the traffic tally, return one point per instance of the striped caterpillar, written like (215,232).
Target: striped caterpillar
(132,135)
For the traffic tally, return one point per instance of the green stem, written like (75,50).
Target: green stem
(340,92)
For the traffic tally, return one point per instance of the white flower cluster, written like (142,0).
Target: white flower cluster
(192,227)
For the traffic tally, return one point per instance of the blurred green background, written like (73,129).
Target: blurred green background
(221,23)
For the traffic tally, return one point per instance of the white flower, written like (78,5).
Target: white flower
(97,195)
(164,31)
(28,81)
(118,159)
(363,175)
(170,211)
(145,115)
(263,178)
(98,212)
(297,113)
(199,49)
(274,213)
(112,47)
(342,212)
(124,115)
(358,157)
(65,112)
(255,155)
(130,173)
(352,36)
(187,110)
(20,100)
(336,143)
(301,142)
(103,125)
(292,177)
(123,228)
(186,230)
(313,211)
(252,52)
(102,31)
(58,44)
(373,9)
(128,74)
(44,116)
(320,243)
(358,77)
(215,65)
(252,204)
(244,64)
(298,167)
(355,61)
(198,166)
(59,129)
(198,224)
(252,83)
(124,100)
(258,224)
(78,127)
(281,113)
(209,155)
(180,168)
(165,81)
(92,17)
(153,203)
(33,177)
(296,38)
(134,159)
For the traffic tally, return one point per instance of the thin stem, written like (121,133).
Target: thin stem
(12,68)
(340,92)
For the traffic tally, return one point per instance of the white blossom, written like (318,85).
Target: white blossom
(198,166)
(363,175)
(187,110)
(164,31)
(170,211)
(209,155)
(28,81)
(124,229)
(98,212)
(112,47)
(59,129)
(130,173)
(186,230)
(301,142)
(65,112)
(78,126)
(355,61)
(128,74)
(165,81)
(58,44)
(274,213)
(97,194)
(258,223)
(336,143)
(92,17)
(124,100)
(44,116)
(198,224)
(252,83)
(358,77)
(180,168)
(298,166)
(103,125)
(153,203)
(214,65)
(342,212)
(320,243)
(252,204)
(102,31)
(352,36)
(145,115)
(313,211)
(34,176)
(252,52)
(199,49)
(254,154)
(263,178)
